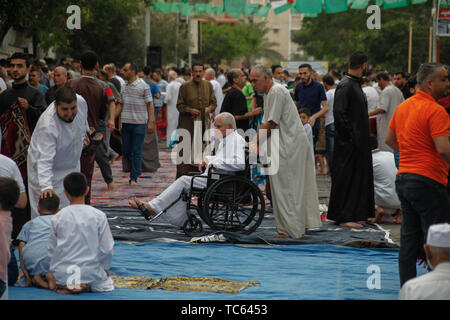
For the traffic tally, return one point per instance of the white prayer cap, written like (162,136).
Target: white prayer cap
(439,235)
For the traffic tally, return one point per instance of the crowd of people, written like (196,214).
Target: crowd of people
(382,137)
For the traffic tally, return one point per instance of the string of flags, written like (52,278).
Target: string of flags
(239,8)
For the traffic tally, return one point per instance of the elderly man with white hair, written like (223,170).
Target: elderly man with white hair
(293,187)
(434,285)
(229,157)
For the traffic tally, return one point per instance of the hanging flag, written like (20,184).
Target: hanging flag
(263,11)
(335,6)
(234,8)
(282,8)
(251,9)
(389,4)
(359,4)
(309,6)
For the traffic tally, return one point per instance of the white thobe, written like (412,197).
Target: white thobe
(230,156)
(172,112)
(372,97)
(384,173)
(294,191)
(54,152)
(219,99)
(390,98)
(434,285)
(80,247)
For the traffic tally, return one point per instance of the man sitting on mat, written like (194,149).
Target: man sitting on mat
(230,157)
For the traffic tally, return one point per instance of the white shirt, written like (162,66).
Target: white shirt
(434,285)
(80,237)
(390,98)
(372,97)
(54,152)
(384,173)
(230,154)
(329,118)
(172,112)
(222,80)
(219,95)
(9,169)
(3,86)
(308,131)
(122,82)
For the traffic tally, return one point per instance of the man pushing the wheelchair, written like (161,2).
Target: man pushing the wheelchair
(229,157)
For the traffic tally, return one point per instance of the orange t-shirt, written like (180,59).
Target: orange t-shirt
(416,122)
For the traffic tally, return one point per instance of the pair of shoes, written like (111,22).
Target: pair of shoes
(111,186)
(132,183)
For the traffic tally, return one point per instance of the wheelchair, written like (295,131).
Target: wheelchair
(231,202)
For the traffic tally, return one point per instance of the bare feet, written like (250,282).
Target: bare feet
(51,281)
(281,235)
(111,186)
(351,225)
(74,290)
(39,282)
(379,213)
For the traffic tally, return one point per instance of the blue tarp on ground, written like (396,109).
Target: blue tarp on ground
(285,272)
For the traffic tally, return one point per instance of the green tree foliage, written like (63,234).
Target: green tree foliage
(112,28)
(172,36)
(334,37)
(229,41)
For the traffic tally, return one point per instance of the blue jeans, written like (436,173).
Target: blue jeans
(133,136)
(424,202)
(329,138)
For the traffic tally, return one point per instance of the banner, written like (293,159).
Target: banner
(321,67)
(443,28)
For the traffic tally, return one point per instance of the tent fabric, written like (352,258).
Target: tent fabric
(296,272)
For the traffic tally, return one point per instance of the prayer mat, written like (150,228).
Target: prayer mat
(203,284)
(149,184)
(16,136)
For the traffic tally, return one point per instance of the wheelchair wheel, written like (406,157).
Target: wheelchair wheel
(192,226)
(233,204)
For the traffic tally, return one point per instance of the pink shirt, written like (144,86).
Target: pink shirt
(5,241)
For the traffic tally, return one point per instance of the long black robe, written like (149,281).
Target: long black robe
(352,190)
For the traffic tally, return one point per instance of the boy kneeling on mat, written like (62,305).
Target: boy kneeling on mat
(33,243)
(80,246)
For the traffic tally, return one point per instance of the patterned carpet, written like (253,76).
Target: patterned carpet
(150,184)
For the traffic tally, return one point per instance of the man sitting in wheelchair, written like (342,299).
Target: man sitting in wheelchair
(229,158)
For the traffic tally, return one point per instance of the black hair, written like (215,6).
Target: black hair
(400,73)
(147,70)
(21,55)
(230,76)
(328,80)
(286,72)
(373,142)
(275,66)
(383,75)
(357,59)
(75,184)
(412,81)
(336,74)
(65,94)
(88,60)
(305,65)
(50,204)
(9,193)
(305,111)
(197,65)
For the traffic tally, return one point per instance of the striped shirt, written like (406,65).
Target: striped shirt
(135,97)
